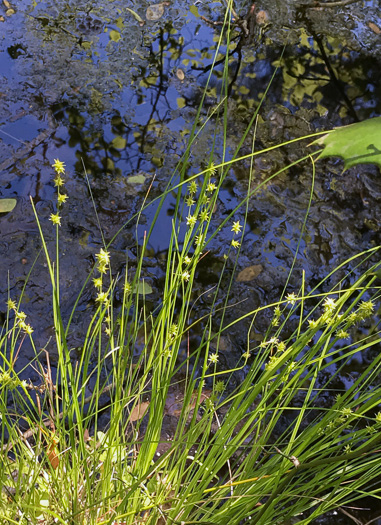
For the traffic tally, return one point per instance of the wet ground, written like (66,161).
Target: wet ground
(90,84)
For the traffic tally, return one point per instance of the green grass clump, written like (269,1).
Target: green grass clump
(267,451)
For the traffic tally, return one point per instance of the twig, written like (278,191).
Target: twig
(339,3)
(233,12)
(358,522)
(373,520)
(211,22)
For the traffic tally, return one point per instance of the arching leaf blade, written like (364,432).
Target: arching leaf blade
(358,143)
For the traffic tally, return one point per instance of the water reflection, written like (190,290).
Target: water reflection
(88,84)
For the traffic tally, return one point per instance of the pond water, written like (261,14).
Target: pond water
(90,84)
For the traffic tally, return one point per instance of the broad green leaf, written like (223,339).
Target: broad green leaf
(7,205)
(136,179)
(144,288)
(44,499)
(101,437)
(377,273)
(358,143)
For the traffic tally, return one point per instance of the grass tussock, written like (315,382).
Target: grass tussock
(267,451)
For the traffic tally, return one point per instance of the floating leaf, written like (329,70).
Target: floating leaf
(114,35)
(120,23)
(7,205)
(136,179)
(358,143)
(181,102)
(155,12)
(180,74)
(144,288)
(374,28)
(194,10)
(86,44)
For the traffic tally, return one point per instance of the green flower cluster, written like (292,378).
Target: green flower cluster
(11,381)
(59,168)
(203,208)
(8,378)
(331,316)
(19,318)
(103,298)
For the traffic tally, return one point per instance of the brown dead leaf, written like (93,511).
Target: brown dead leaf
(53,457)
(53,453)
(262,18)
(139,411)
(7,4)
(180,74)
(156,11)
(374,27)
(224,344)
(250,273)
(177,408)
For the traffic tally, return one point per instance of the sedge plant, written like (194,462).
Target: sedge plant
(266,451)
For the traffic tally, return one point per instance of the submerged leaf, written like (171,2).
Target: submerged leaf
(358,143)
(136,179)
(250,273)
(135,14)
(155,12)
(7,205)
(144,288)
(139,411)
